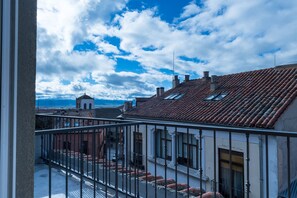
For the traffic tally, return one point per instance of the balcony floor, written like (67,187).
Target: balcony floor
(58,184)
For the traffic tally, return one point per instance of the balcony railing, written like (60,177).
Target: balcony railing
(162,159)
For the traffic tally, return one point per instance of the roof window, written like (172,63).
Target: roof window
(216,97)
(174,96)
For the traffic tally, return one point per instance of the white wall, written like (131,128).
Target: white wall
(238,144)
(287,122)
(86,101)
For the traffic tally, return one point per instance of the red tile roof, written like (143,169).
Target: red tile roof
(85,96)
(255,99)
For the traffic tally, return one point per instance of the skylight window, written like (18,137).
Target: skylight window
(220,96)
(216,97)
(211,97)
(174,96)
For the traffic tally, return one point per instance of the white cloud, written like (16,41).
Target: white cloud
(220,36)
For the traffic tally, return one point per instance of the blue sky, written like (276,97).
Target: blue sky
(124,49)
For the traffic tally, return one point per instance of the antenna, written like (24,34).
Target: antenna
(173,63)
(274,60)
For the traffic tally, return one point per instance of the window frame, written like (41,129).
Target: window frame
(233,163)
(187,144)
(161,142)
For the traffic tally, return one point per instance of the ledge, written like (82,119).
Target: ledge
(180,168)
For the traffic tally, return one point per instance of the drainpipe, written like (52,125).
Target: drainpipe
(261,166)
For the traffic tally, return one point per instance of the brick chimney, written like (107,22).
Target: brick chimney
(187,78)
(175,81)
(127,106)
(213,83)
(159,91)
(206,75)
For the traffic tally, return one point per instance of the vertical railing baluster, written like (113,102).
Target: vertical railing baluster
(134,160)
(165,161)
(109,153)
(146,164)
(289,166)
(247,165)
(230,165)
(81,163)
(130,158)
(66,182)
(267,166)
(155,160)
(215,162)
(49,166)
(200,161)
(137,162)
(126,159)
(106,143)
(116,158)
(87,153)
(188,164)
(176,154)
(42,146)
(94,158)
(122,155)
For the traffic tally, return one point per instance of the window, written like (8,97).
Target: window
(66,145)
(137,148)
(237,180)
(216,96)
(85,147)
(90,106)
(163,144)
(85,106)
(174,96)
(220,96)
(187,154)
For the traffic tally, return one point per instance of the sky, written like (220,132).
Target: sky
(122,49)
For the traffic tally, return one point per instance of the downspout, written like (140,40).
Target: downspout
(261,165)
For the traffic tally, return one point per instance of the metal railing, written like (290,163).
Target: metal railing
(163,159)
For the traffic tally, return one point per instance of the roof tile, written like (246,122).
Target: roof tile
(255,99)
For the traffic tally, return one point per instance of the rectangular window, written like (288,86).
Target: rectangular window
(187,153)
(85,147)
(66,145)
(236,180)
(163,144)
(137,148)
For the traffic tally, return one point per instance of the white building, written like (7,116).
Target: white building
(259,100)
(85,102)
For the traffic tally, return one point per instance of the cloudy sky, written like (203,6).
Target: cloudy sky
(121,49)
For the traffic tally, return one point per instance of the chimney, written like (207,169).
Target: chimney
(213,83)
(206,75)
(187,78)
(159,91)
(175,81)
(127,106)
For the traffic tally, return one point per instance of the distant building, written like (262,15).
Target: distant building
(111,112)
(85,102)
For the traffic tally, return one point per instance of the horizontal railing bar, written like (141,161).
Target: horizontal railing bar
(255,131)
(83,118)
(67,130)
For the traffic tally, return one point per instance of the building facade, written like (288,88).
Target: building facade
(85,102)
(262,99)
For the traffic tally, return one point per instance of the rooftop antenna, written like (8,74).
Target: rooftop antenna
(173,63)
(274,60)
